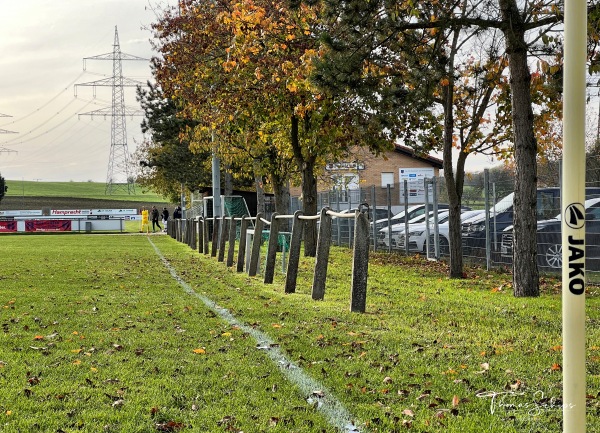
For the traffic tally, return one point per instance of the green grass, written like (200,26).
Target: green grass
(91,190)
(98,336)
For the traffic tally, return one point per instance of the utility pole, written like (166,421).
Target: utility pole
(119,175)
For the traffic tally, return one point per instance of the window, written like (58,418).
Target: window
(387,179)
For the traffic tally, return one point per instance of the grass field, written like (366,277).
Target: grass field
(101,334)
(23,195)
(87,190)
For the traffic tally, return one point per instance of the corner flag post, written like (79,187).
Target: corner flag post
(573,217)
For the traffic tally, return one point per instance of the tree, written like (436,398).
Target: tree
(412,68)
(166,161)
(396,30)
(241,70)
(3,188)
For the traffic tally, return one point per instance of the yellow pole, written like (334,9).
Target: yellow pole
(573,218)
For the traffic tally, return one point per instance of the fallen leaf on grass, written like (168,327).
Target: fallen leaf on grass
(408,412)
(118,403)
(199,350)
(169,426)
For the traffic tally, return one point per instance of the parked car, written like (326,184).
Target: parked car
(417,236)
(398,230)
(343,228)
(412,212)
(501,216)
(399,218)
(549,239)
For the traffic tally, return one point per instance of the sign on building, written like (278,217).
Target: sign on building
(416,183)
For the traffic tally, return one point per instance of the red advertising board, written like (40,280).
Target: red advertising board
(48,225)
(8,226)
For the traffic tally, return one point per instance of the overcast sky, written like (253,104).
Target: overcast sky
(42,46)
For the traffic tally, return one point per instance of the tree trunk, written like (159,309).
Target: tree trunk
(525,271)
(281,190)
(260,192)
(454,186)
(309,190)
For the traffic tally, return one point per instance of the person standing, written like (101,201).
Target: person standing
(177,213)
(165,217)
(155,222)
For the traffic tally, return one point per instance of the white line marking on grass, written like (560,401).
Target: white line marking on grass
(331,407)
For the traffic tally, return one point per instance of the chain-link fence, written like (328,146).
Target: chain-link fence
(403,220)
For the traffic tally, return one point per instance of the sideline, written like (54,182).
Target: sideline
(333,410)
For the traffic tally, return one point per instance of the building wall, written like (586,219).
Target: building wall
(390,162)
(369,169)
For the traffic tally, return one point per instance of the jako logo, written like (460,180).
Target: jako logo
(575,219)
(575,215)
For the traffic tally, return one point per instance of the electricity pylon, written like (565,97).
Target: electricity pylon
(119,175)
(4,131)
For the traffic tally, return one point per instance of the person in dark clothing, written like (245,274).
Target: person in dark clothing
(177,213)
(155,216)
(165,217)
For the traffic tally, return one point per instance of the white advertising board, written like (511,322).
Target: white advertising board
(416,184)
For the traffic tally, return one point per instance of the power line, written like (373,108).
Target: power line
(4,131)
(46,103)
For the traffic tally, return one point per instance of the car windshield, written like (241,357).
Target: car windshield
(503,204)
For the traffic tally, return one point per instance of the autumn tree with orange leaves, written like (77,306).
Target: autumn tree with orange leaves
(241,70)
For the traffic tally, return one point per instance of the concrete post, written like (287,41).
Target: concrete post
(200,229)
(256,240)
(223,235)
(360,263)
(242,247)
(231,248)
(215,237)
(205,235)
(322,260)
(193,233)
(294,259)
(272,250)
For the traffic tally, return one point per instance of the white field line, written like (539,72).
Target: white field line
(333,410)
